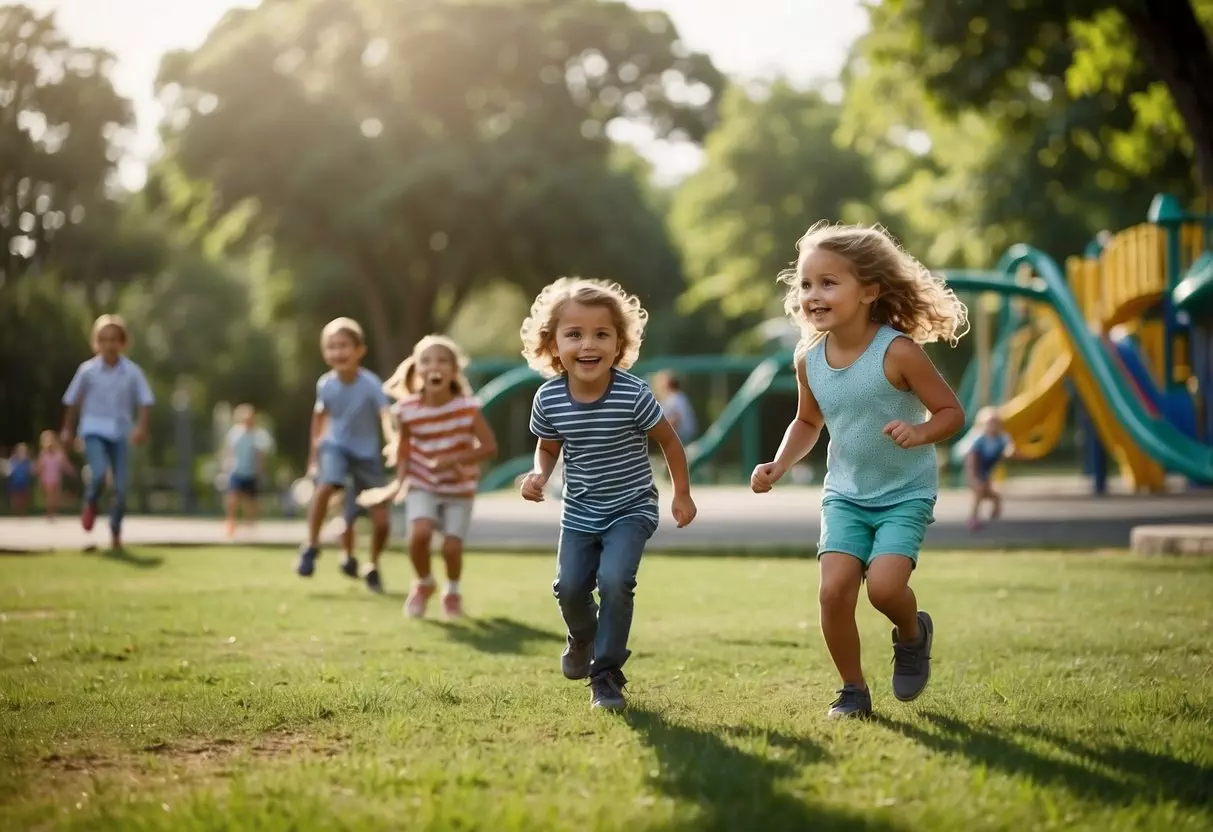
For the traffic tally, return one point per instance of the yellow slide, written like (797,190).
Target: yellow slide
(1036,417)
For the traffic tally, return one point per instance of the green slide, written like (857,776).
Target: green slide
(1194,294)
(1167,445)
(758,384)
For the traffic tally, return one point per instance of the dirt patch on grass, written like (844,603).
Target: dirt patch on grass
(35,615)
(162,763)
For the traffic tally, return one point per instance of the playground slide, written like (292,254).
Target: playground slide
(1194,294)
(759,382)
(1114,404)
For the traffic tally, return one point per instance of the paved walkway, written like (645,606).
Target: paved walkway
(1053,513)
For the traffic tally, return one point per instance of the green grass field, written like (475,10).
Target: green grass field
(211,688)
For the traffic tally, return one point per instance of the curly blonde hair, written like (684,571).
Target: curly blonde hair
(539,329)
(912,299)
(404,381)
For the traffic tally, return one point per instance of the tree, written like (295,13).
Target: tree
(399,162)
(58,116)
(771,170)
(1154,54)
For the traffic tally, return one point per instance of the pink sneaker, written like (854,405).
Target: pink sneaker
(88,516)
(973,525)
(419,597)
(452,605)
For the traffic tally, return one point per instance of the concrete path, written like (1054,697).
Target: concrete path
(1049,513)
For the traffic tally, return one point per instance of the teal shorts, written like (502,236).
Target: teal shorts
(867,533)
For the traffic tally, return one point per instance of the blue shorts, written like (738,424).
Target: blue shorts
(240,484)
(337,467)
(867,533)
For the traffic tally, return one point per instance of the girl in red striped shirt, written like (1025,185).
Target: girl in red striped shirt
(443,439)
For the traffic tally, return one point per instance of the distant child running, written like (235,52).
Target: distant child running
(20,479)
(443,437)
(991,447)
(244,453)
(584,334)
(105,391)
(864,306)
(351,410)
(51,466)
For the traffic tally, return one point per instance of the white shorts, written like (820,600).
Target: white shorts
(451,515)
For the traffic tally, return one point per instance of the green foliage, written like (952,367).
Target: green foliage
(771,170)
(399,164)
(58,111)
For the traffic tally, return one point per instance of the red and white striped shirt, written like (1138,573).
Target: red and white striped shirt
(436,432)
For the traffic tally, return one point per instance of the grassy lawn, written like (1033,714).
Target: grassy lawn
(211,688)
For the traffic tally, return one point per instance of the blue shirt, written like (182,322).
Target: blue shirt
(108,396)
(353,409)
(989,451)
(607,473)
(244,445)
(20,474)
(678,405)
(864,466)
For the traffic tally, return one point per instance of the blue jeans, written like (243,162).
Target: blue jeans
(609,560)
(103,454)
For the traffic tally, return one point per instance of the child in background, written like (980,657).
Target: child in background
(443,438)
(583,335)
(350,411)
(677,406)
(244,453)
(105,391)
(20,479)
(989,449)
(864,306)
(51,466)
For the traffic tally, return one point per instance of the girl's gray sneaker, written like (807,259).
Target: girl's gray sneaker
(575,660)
(912,662)
(606,690)
(852,701)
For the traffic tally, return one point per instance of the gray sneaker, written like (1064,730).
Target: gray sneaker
(912,662)
(575,660)
(606,690)
(852,701)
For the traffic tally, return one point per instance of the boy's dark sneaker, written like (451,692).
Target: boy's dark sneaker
(576,658)
(852,701)
(912,662)
(349,566)
(606,690)
(373,583)
(307,560)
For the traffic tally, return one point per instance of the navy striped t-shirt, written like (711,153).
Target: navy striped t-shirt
(607,474)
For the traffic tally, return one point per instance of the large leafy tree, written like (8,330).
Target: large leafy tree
(59,114)
(1153,55)
(402,154)
(771,169)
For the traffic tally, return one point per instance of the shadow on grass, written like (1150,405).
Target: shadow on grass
(736,789)
(393,595)
(127,557)
(495,635)
(1107,773)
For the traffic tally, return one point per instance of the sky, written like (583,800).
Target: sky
(800,39)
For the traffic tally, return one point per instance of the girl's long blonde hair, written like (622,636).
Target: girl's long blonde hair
(538,331)
(404,383)
(912,299)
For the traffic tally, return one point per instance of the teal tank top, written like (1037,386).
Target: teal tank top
(863,465)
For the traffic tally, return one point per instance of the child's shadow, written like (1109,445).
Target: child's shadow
(736,789)
(495,635)
(126,557)
(1127,774)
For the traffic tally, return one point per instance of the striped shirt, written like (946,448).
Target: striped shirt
(108,395)
(437,431)
(607,473)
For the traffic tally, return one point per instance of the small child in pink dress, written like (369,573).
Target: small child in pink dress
(51,466)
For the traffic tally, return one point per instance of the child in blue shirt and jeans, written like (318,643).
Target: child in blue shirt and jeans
(105,391)
(583,335)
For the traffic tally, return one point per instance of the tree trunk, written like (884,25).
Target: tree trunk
(1176,48)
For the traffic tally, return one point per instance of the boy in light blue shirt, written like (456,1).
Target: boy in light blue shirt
(351,408)
(244,453)
(105,392)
